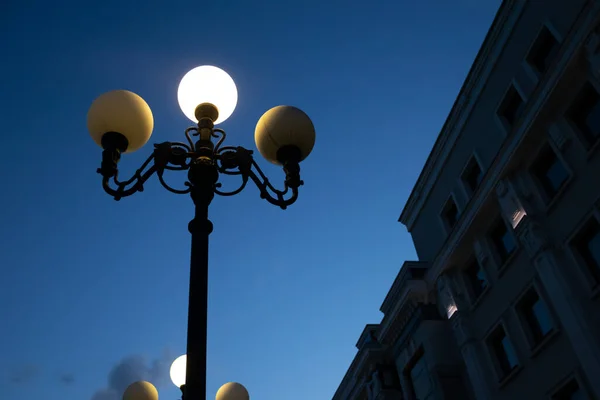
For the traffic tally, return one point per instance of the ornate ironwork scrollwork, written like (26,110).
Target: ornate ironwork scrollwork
(226,160)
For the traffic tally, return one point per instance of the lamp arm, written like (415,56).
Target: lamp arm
(135,183)
(239,161)
(166,155)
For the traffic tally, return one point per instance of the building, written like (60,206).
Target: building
(504,302)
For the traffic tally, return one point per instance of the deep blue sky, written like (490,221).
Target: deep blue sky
(86,282)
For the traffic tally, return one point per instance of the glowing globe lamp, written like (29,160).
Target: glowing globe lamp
(207,84)
(177,371)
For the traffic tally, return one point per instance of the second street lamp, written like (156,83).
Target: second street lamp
(121,122)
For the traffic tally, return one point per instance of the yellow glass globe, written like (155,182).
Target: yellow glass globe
(232,391)
(177,371)
(207,84)
(284,126)
(124,112)
(141,390)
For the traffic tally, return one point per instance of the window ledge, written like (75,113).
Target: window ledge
(537,349)
(478,301)
(510,376)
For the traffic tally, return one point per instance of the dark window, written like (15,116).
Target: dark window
(503,241)
(549,171)
(587,244)
(420,379)
(543,51)
(571,391)
(512,106)
(477,279)
(472,175)
(535,314)
(585,113)
(503,351)
(450,213)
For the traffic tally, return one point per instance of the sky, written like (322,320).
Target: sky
(93,292)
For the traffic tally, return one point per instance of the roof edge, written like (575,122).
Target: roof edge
(412,205)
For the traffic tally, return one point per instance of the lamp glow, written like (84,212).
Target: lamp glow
(207,84)
(177,371)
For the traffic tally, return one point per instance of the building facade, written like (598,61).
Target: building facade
(504,302)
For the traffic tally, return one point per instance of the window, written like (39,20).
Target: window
(477,279)
(587,246)
(512,106)
(543,51)
(536,316)
(549,172)
(503,351)
(570,391)
(420,380)
(450,213)
(472,175)
(585,113)
(503,241)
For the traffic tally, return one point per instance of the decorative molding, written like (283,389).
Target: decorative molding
(587,18)
(398,323)
(510,204)
(407,272)
(446,296)
(358,374)
(382,382)
(368,336)
(485,61)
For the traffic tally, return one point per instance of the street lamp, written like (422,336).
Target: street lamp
(121,122)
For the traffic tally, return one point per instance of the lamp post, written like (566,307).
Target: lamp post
(229,391)
(121,122)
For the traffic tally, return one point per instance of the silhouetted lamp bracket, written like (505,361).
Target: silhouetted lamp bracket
(121,122)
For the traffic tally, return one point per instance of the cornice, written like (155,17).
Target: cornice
(370,329)
(366,357)
(408,272)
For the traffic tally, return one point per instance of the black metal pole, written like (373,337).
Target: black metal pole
(203,176)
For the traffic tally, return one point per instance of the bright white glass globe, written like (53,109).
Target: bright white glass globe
(207,84)
(178,370)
